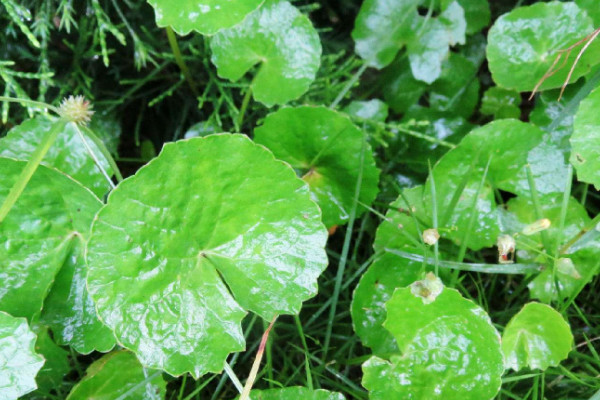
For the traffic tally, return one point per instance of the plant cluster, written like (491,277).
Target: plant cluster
(406,206)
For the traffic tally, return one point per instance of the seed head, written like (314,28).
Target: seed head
(76,109)
(427,289)
(431,236)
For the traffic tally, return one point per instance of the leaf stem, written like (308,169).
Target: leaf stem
(236,382)
(244,107)
(30,168)
(180,61)
(256,365)
(349,85)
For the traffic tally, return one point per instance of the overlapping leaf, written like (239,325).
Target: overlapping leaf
(19,363)
(205,16)
(520,55)
(174,266)
(329,152)
(296,393)
(585,141)
(281,41)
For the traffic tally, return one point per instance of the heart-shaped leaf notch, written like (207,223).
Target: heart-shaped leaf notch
(210,228)
(282,41)
(204,16)
(329,152)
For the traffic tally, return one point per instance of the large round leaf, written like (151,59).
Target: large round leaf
(537,337)
(326,149)
(119,375)
(585,141)
(450,350)
(296,393)
(284,44)
(68,154)
(212,227)
(523,44)
(19,363)
(382,28)
(43,237)
(374,289)
(204,16)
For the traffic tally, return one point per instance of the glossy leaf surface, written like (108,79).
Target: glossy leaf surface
(281,41)
(57,364)
(68,154)
(449,347)
(537,337)
(19,363)
(325,148)
(501,103)
(585,141)
(519,55)
(382,28)
(119,375)
(477,13)
(374,289)
(296,393)
(373,109)
(206,16)
(174,266)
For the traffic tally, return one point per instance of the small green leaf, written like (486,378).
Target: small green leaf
(382,28)
(325,148)
(428,50)
(19,363)
(450,350)
(68,154)
(284,44)
(477,13)
(501,103)
(57,363)
(374,289)
(519,55)
(537,337)
(296,393)
(373,109)
(119,375)
(174,263)
(585,141)
(205,16)
(400,89)
(591,6)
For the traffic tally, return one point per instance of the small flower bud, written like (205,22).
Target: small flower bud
(565,266)
(536,227)
(427,289)
(506,249)
(431,236)
(76,109)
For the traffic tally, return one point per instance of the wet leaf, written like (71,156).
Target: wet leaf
(173,267)
(501,103)
(68,154)
(449,349)
(374,289)
(585,141)
(296,393)
(537,337)
(591,7)
(205,16)
(373,109)
(477,13)
(325,148)
(519,55)
(281,42)
(119,375)
(400,89)
(57,364)
(382,28)
(19,363)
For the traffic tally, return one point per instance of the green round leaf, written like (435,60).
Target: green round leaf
(296,393)
(536,337)
(282,41)
(501,103)
(68,154)
(205,16)
(325,148)
(450,350)
(585,141)
(57,363)
(19,363)
(210,228)
(374,289)
(400,89)
(382,28)
(523,44)
(477,13)
(119,375)
(591,6)
(373,109)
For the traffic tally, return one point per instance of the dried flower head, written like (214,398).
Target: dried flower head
(431,236)
(76,109)
(537,226)
(506,249)
(565,266)
(427,289)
